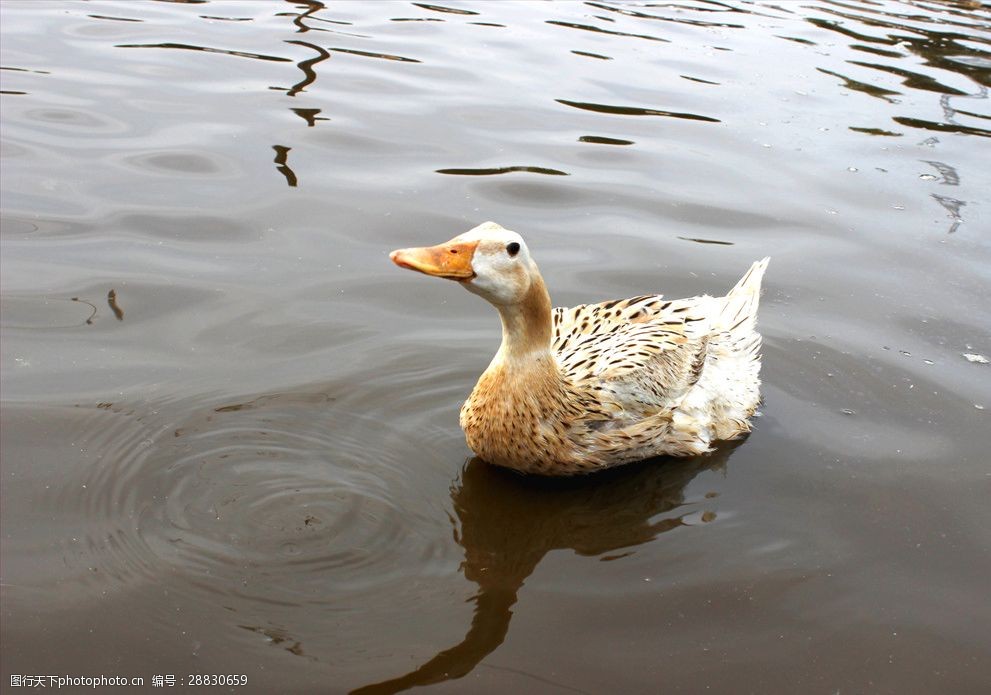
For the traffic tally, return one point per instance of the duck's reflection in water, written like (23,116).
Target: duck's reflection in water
(509,522)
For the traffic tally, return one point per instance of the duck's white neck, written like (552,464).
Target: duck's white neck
(527,326)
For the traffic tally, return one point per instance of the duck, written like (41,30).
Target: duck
(581,389)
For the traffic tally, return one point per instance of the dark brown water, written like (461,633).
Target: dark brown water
(229,431)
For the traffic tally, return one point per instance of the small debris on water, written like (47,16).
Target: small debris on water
(848,411)
(973,357)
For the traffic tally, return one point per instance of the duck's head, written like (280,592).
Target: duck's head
(488,260)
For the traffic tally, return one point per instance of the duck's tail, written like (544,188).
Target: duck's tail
(735,346)
(739,314)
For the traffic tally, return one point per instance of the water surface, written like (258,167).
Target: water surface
(230,440)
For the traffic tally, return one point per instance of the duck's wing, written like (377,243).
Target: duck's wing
(636,356)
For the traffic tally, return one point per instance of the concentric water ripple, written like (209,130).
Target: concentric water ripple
(288,498)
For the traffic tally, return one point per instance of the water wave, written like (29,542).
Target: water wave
(291,498)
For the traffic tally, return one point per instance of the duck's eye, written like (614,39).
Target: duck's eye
(513,248)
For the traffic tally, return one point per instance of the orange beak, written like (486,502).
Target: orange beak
(451,260)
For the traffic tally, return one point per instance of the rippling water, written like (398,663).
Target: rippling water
(230,439)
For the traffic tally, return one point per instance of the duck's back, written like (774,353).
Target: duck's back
(690,365)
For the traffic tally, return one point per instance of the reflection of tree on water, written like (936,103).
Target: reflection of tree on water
(508,523)
(940,47)
(299,18)
(308,68)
